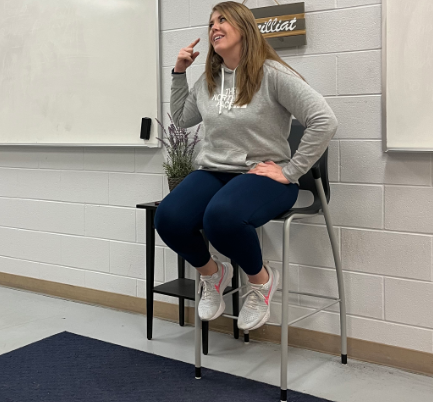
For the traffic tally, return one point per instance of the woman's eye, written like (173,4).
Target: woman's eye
(221,18)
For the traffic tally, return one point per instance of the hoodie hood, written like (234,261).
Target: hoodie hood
(227,70)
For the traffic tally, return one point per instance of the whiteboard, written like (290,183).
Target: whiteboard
(407,69)
(79,72)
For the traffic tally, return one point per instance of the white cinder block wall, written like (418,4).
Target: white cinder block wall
(68,215)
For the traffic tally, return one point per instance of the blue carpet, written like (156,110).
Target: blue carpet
(72,368)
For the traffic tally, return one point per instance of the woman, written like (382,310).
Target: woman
(246,177)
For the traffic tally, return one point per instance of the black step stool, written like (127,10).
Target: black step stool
(182,287)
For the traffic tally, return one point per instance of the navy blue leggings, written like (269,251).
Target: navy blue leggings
(228,207)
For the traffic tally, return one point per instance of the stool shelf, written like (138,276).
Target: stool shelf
(181,287)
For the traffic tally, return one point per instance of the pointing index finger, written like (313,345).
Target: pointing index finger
(194,43)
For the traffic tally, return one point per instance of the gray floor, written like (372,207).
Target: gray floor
(27,317)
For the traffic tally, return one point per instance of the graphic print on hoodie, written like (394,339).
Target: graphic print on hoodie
(226,98)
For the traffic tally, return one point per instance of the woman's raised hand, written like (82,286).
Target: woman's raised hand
(186,57)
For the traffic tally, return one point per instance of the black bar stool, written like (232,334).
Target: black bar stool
(182,287)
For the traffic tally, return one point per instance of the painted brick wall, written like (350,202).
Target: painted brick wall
(68,215)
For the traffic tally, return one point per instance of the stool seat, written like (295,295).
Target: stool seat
(148,205)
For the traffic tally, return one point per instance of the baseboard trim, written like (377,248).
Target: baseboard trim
(367,351)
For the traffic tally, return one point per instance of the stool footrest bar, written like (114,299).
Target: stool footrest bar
(229,316)
(290,291)
(314,312)
(312,294)
(291,322)
(234,290)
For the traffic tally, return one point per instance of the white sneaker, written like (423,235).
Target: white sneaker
(212,304)
(257,307)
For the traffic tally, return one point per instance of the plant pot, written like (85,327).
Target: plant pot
(173,182)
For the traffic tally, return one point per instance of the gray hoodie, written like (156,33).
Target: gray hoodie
(237,138)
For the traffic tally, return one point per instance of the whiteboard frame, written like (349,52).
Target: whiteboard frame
(385,146)
(158,132)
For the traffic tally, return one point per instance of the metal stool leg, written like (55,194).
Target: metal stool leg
(197,329)
(205,336)
(181,274)
(285,309)
(204,324)
(339,270)
(150,268)
(243,279)
(235,298)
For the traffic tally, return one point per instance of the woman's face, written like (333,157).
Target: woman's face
(230,37)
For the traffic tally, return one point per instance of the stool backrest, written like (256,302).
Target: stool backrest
(306,182)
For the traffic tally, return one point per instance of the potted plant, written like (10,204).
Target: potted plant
(180,152)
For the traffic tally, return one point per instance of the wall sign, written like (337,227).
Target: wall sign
(283,25)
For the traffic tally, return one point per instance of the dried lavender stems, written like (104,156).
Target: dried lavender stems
(179,149)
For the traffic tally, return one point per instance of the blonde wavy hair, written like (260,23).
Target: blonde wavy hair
(255,50)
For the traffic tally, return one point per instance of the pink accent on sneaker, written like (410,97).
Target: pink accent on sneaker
(267,297)
(217,287)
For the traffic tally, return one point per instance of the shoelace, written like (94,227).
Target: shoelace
(206,286)
(204,283)
(255,293)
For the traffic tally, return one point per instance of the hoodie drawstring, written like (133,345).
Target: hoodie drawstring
(234,86)
(222,87)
